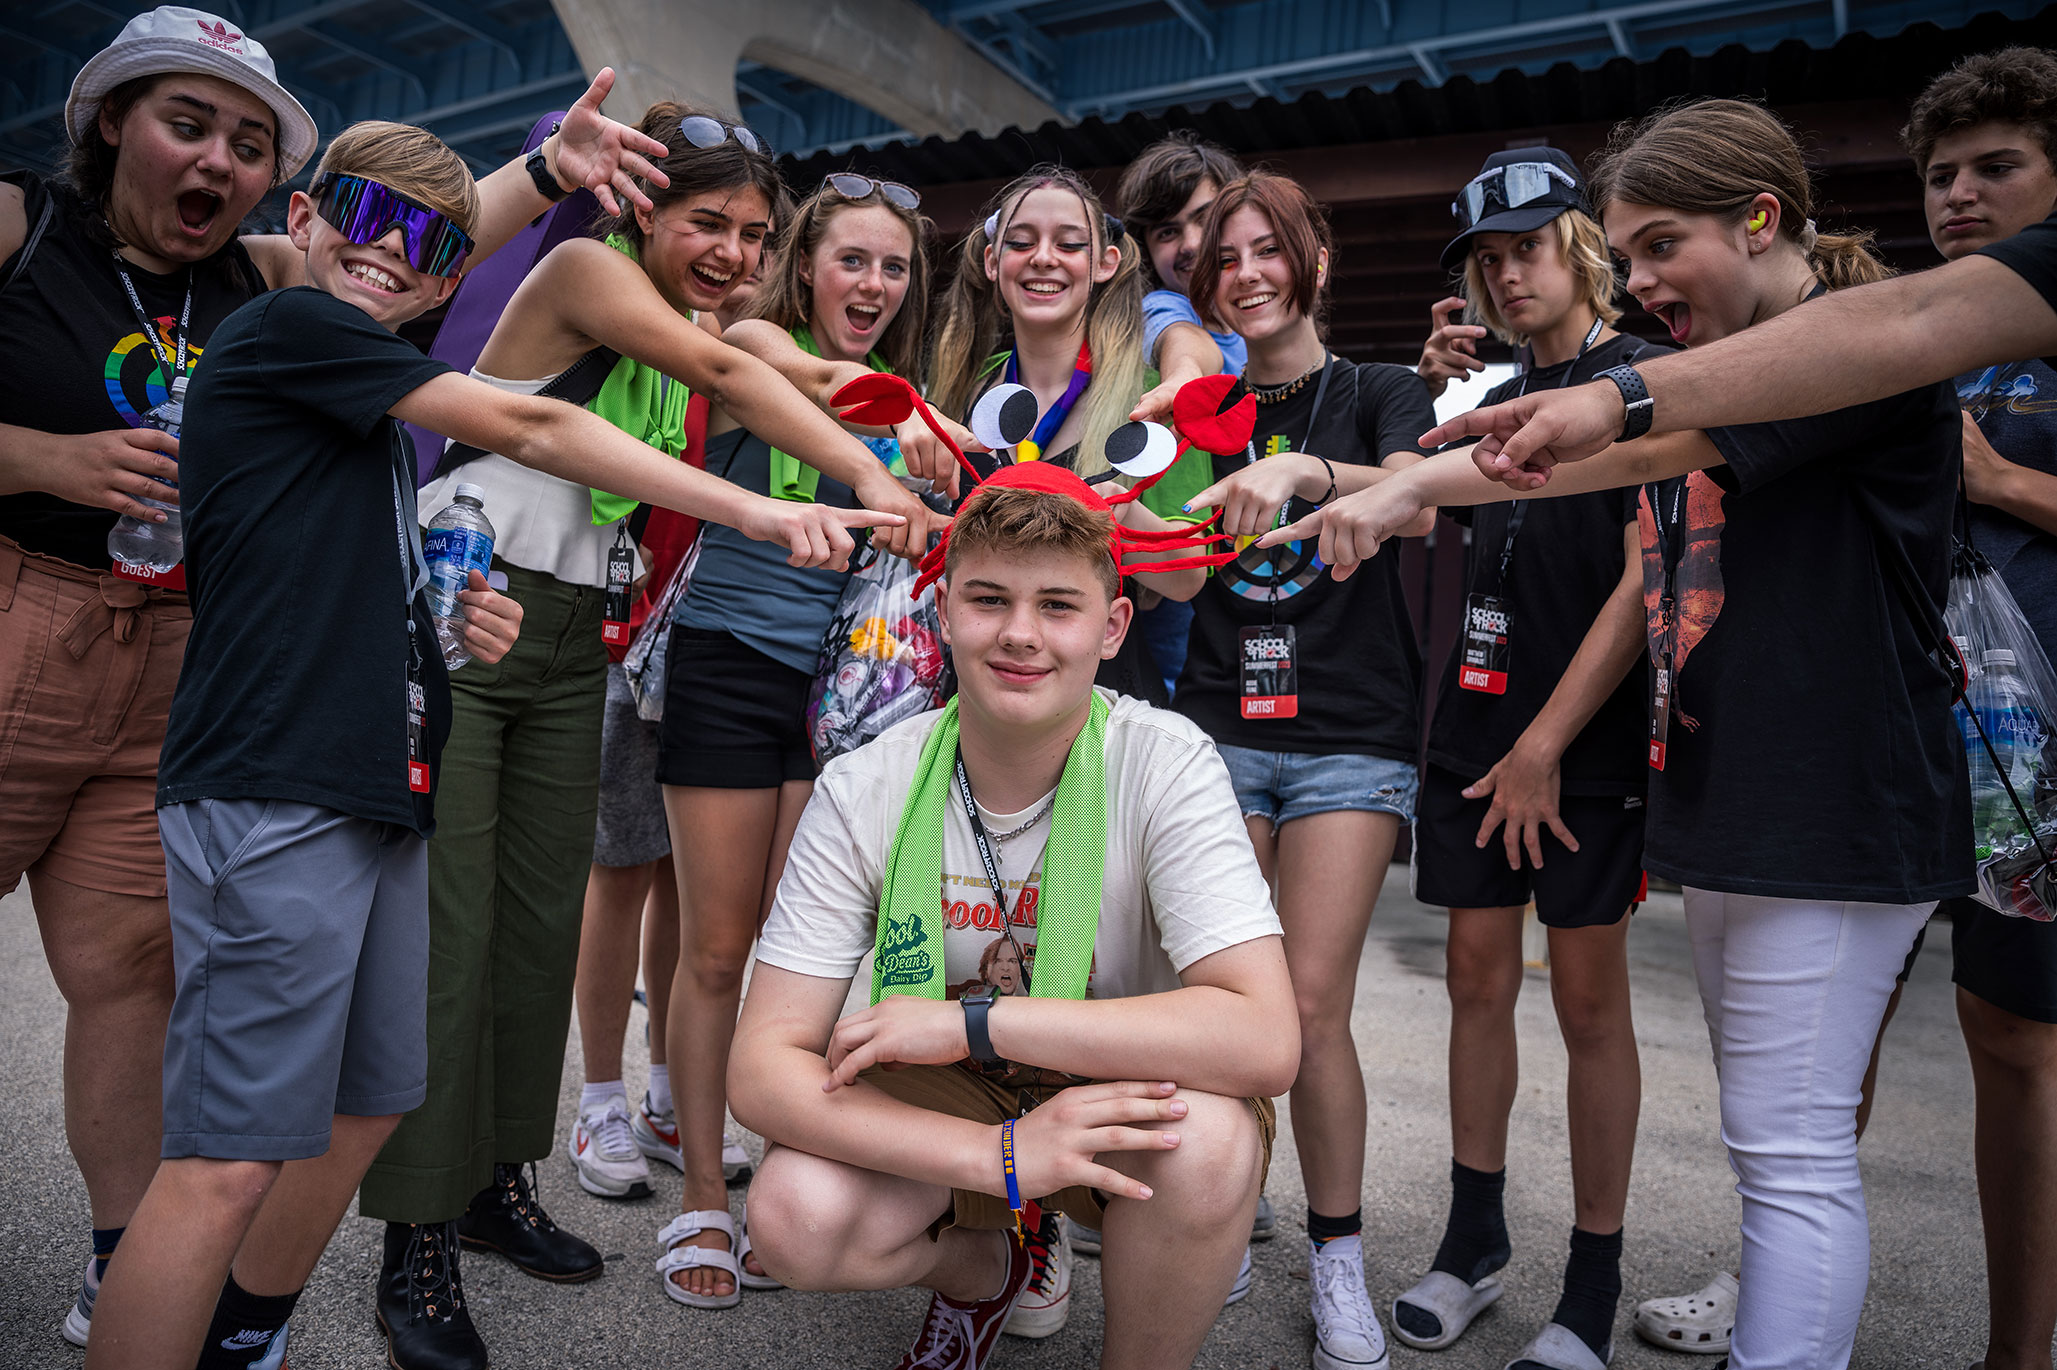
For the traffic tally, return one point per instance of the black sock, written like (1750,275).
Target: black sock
(243,1326)
(1475,1239)
(105,1239)
(1592,1287)
(1322,1229)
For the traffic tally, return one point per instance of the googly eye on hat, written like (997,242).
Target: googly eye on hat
(172,38)
(1141,450)
(1004,416)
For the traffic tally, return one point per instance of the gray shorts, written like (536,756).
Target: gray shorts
(631,830)
(300,941)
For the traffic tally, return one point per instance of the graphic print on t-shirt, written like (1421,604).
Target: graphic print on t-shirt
(135,377)
(1994,390)
(1697,587)
(968,907)
(1264,572)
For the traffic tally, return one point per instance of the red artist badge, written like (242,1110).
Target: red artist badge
(1484,667)
(1271,672)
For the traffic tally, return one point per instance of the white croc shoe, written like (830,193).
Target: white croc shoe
(1699,1323)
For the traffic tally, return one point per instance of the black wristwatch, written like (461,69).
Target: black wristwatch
(1638,409)
(977,1004)
(539,172)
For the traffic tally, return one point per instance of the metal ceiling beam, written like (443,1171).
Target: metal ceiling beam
(1429,52)
(1191,14)
(472,19)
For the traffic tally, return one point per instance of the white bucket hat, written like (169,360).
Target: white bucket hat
(174,38)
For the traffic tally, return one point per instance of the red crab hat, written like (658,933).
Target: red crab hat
(1145,451)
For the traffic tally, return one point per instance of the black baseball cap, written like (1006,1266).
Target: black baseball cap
(1516,190)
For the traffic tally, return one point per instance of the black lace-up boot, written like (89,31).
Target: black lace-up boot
(421,1306)
(506,1218)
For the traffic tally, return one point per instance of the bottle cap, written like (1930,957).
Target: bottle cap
(1999,656)
(465,490)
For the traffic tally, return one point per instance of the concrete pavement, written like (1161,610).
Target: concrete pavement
(1926,1307)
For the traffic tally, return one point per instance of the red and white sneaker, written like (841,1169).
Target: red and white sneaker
(657,1136)
(1046,1303)
(961,1336)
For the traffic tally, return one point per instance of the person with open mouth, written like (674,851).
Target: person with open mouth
(119,271)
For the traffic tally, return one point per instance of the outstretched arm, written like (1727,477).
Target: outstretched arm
(1351,529)
(575,445)
(1845,348)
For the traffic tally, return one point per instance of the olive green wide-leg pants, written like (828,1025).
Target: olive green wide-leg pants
(515,806)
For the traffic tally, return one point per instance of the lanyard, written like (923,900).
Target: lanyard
(1250,459)
(1520,510)
(172,369)
(978,837)
(1671,538)
(1053,418)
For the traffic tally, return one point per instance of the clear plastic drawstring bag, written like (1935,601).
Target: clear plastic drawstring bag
(882,658)
(647,656)
(2006,720)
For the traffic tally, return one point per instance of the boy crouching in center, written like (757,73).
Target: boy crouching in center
(1080,856)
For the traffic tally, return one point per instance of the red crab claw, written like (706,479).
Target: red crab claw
(876,400)
(1201,419)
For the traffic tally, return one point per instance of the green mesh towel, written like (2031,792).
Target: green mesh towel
(909,948)
(642,402)
(792,478)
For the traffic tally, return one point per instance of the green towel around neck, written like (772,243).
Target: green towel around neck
(792,478)
(909,946)
(642,402)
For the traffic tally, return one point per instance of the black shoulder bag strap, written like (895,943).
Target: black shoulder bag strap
(576,384)
(28,246)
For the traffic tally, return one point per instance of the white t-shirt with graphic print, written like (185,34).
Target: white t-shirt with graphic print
(1181,881)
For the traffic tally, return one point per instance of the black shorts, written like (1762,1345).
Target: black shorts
(2011,963)
(1592,887)
(734,719)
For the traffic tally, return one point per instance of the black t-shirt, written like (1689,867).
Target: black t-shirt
(1568,559)
(1812,754)
(2032,254)
(2016,409)
(298,491)
(1359,667)
(79,360)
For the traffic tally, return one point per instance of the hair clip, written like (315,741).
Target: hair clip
(993,225)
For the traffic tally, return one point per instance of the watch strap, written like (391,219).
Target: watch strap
(976,1035)
(539,172)
(1639,411)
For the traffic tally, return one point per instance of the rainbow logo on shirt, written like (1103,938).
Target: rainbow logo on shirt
(125,378)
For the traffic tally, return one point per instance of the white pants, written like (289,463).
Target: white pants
(1794,991)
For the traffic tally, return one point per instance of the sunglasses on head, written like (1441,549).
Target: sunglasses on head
(703,131)
(852,186)
(1510,187)
(1111,224)
(364,211)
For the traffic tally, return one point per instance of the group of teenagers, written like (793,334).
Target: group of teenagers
(357,896)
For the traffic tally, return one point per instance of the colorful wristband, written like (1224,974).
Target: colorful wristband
(1007,1169)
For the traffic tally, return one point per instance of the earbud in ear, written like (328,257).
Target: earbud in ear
(1758,220)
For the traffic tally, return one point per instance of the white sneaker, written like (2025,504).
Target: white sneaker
(657,1136)
(603,1152)
(1346,1331)
(1240,1290)
(1046,1303)
(78,1320)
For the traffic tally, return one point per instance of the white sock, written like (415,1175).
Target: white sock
(593,1095)
(660,1089)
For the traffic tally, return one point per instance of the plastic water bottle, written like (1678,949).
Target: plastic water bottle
(158,546)
(2017,735)
(459,541)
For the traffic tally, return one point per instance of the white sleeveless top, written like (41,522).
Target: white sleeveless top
(540,522)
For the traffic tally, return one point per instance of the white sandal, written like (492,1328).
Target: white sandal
(1699,1323)
(1557,1347)
(751,1281)
(675,1257)
(1450,1301)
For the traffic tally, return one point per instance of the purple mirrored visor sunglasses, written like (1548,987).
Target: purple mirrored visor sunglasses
(365,211)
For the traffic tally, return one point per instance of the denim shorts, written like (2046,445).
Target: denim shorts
(1283,786)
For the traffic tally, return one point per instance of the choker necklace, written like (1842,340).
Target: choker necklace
(1038,816)
(1292,387)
